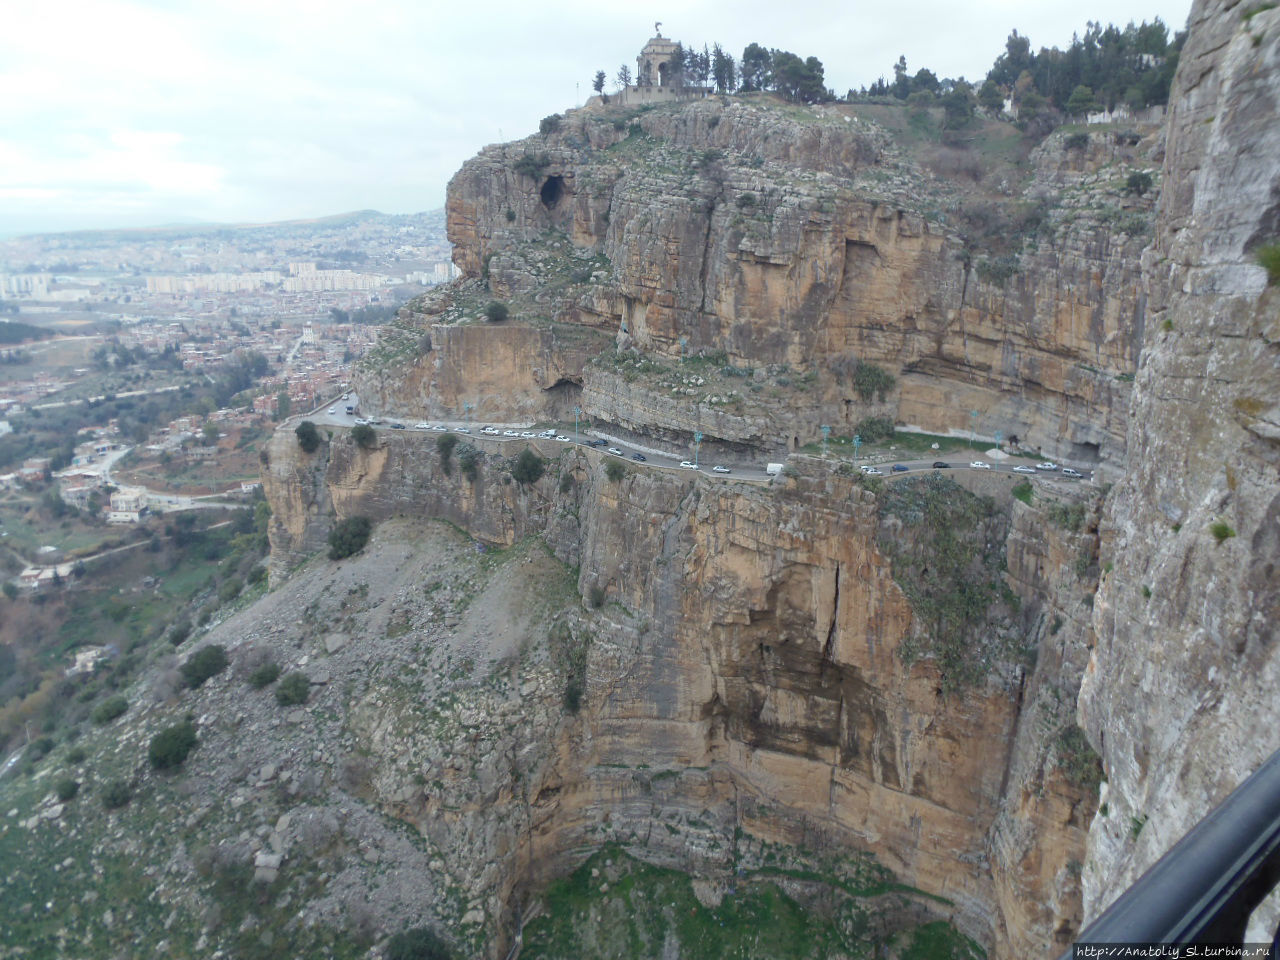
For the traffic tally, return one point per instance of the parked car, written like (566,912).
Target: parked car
(900,468)
(597,443)
(439,427)
(719,469)
(397,426)
(941,465)
(639,457)
(361,421)
(1068,472)
(1046,466)
(1022,469)
(526,434)
(688,465)
(422,425)
(615,451)
(979,465)
(464,429)
(873,472)
(332,411)
(489,430)
(562,438)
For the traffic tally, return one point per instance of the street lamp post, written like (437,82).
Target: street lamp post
(999,436)
(697,443)
(466,410)
(973,426)
(857,442)
(577,412)
(684,342)
(826,432)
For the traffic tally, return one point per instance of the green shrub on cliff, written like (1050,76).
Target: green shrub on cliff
(947,554)
(365,436)
(419,943)
(444,446)
(1269,258)
(469,462)
(308,436)
(496,311)
(349,537)
(528,467)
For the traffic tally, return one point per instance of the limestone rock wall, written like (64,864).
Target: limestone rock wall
(754,680)
(1186,624)
(779,257)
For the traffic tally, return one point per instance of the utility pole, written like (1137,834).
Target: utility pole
(973,426)
(577,412)
(684,342)
(697,444)
(826,432)
(857,442)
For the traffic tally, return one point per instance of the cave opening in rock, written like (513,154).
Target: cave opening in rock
(552,191)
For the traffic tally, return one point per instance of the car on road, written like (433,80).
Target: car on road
(397,426)
(464,429)
(615,451)
(1046,466)
(1068,472)
(719,469)
(941,465)
(439,427)
(900,468)
(873,472)
(422,426)
(332,411)
(639,457)
(563,439)
(979,465)
(346,396)
(511,433)
(1022,469)
(361,422)
(597,443)
(688,465)
(492,431)
(526,435)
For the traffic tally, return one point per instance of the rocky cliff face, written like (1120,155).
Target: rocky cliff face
(759,671)
(1186,623)
(775,673)
(708,230)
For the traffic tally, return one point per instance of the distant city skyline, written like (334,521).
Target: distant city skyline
(131,113)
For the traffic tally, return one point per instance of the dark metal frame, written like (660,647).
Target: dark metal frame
(1206,886)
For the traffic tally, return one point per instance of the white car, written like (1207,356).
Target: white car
(1022,469)
(719,469)
(873,472)
(526,435)
(615,451)
(332,411)
(688,465)
(1046,466)
(511,433)
(979,465)
(361,421)
(346,396)
(490,430)
(563,439)
(422,425)
(1068,472)
(440,427)
(464,429)
(866,468)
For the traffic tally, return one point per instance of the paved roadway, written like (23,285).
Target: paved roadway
(662,459)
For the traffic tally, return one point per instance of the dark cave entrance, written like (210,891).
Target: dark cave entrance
(552,191)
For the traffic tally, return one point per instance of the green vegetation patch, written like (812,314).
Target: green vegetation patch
(1269,258)
(617,906)
(204,663)
(170,747)
(349,536)
(947,553)
(1077,759)
(941,941)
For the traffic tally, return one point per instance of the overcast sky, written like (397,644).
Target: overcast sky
(129,113)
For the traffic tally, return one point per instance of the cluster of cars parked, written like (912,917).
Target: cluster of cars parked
(551,434)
